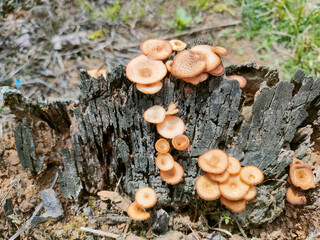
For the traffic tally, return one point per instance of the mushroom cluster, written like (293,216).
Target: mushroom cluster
(226,179)
(145,197)
(301,178)
(242,81)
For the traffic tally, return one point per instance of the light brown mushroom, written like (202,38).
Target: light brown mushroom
(95,73)
(172,109)
(234,189)
(197,79)
(180,142)
(251,193)
(234,165)
(156,48)
(171,126)
(162,145)
(221,178)
(149,88)
(251,175)
(212,60)
(173,176)
(136,212)
(144,70)
(146,197)
(221,51)
(177,45)
(155,114)
(164,161)
(206,188)
(218,71)
(242,81)
(213,161)
(295,196)
(169,65)
(234,206)
(301,175)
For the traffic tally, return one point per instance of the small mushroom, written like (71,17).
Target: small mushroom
(197,79)
(251,175)
(162,145)
(234,189)
(234,165)
(301,175)
(171,126)
(187,64)
(177,45)
(180,142)
(164,161)
(218,71)
(221,178)
(206,188)
(149,88)
(174,175)
(95,73)
(295,196)
(172,109)
(156,48)
(169,65)
(146,197)
(214,161)
(221,51)
(212,60)
(240,79)
(144,70)
(137,213)
(234,206)
(251,193)
(155,114)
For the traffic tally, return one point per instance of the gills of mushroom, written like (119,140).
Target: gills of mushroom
(234,206)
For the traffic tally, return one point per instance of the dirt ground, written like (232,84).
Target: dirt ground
(42,46)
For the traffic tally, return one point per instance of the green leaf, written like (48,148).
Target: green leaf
(182,17)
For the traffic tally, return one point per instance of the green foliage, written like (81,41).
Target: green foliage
(226,217)
(97,34)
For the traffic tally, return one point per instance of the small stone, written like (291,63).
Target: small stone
(161,224)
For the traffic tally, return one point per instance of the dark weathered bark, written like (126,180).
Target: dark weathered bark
(108,140)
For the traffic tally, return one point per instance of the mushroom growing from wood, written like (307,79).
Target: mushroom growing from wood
(151,88)
(155,114)
(146,197)
(234,165)
(295,196)
(251,193)
(212,60)
(197,79)
(136,212)
(234,189)
(177,45)
(221,51)
(180,142)
(251,175)
(170,127)
(221,178)
(156,48)
(214,161)
(206,188)
(218,71)
(234,206)
(172,109)
(164,161)
(242,81)
(174,175)
(301,175)
(162,145)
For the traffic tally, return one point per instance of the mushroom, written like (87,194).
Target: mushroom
(174,175)
(234,165)
(155,114)
(187,64)
(251,175)
(144,70)
(212,60)
(221,51)
(295,196)
(206,188)
(172,109)
(218,71)
(234,206)
(95,73)
(171,126)
(221,178)
(146,197)
(169,65)
(234,189)
(149,88)
(137,213)
(214,161)
(180,142)
(162,145)
(197,79)
(156,48)
(301,175)
(165,161)
(177,45)
(251,193)
(240,79)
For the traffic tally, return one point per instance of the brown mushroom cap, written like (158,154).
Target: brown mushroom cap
(206,188)
(171,126)
(177,45)
(251,175)
(234,206)
(144,70)
(95,73)
(137,213)
(181,142)
(240,79)
(234,189)
(174,175)
(218,71)
(187,64)
(149,88)
(197,79)
(251,193)
(165,161)
(214,161)
(221,178)
(162,145)
(301,175)
(234,165)
(221,51)
(212,60)
(296,197)
(156,48)
(146,197)
(172,109)
(169,65)
(155,114)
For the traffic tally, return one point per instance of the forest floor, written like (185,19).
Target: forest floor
(43,46)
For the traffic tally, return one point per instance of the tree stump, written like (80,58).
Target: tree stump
(102,140)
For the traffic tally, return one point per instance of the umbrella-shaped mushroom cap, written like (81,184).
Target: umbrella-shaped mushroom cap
(251,175)
(155,114)
(169,65)
(301,175)
(221,51)
(177,45)
(172,109)
(162,145)
(95,73)
(174,175)
(242,81)
(206,188)
(251,193)
(137,213)
(171,126)
(221,178)
(234,165)
(295,196)
(214,161)
(234,206)
(234,189)
(164,161)
(218,71)
(180,142)
(144,70)
(151,88)
(212,60)
(197,79)
(146,197)
(156,48)
(187,64)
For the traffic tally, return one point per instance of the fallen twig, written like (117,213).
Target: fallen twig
(224,231)
(239,226)
(99,232)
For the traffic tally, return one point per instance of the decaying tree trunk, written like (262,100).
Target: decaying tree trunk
(102,139)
